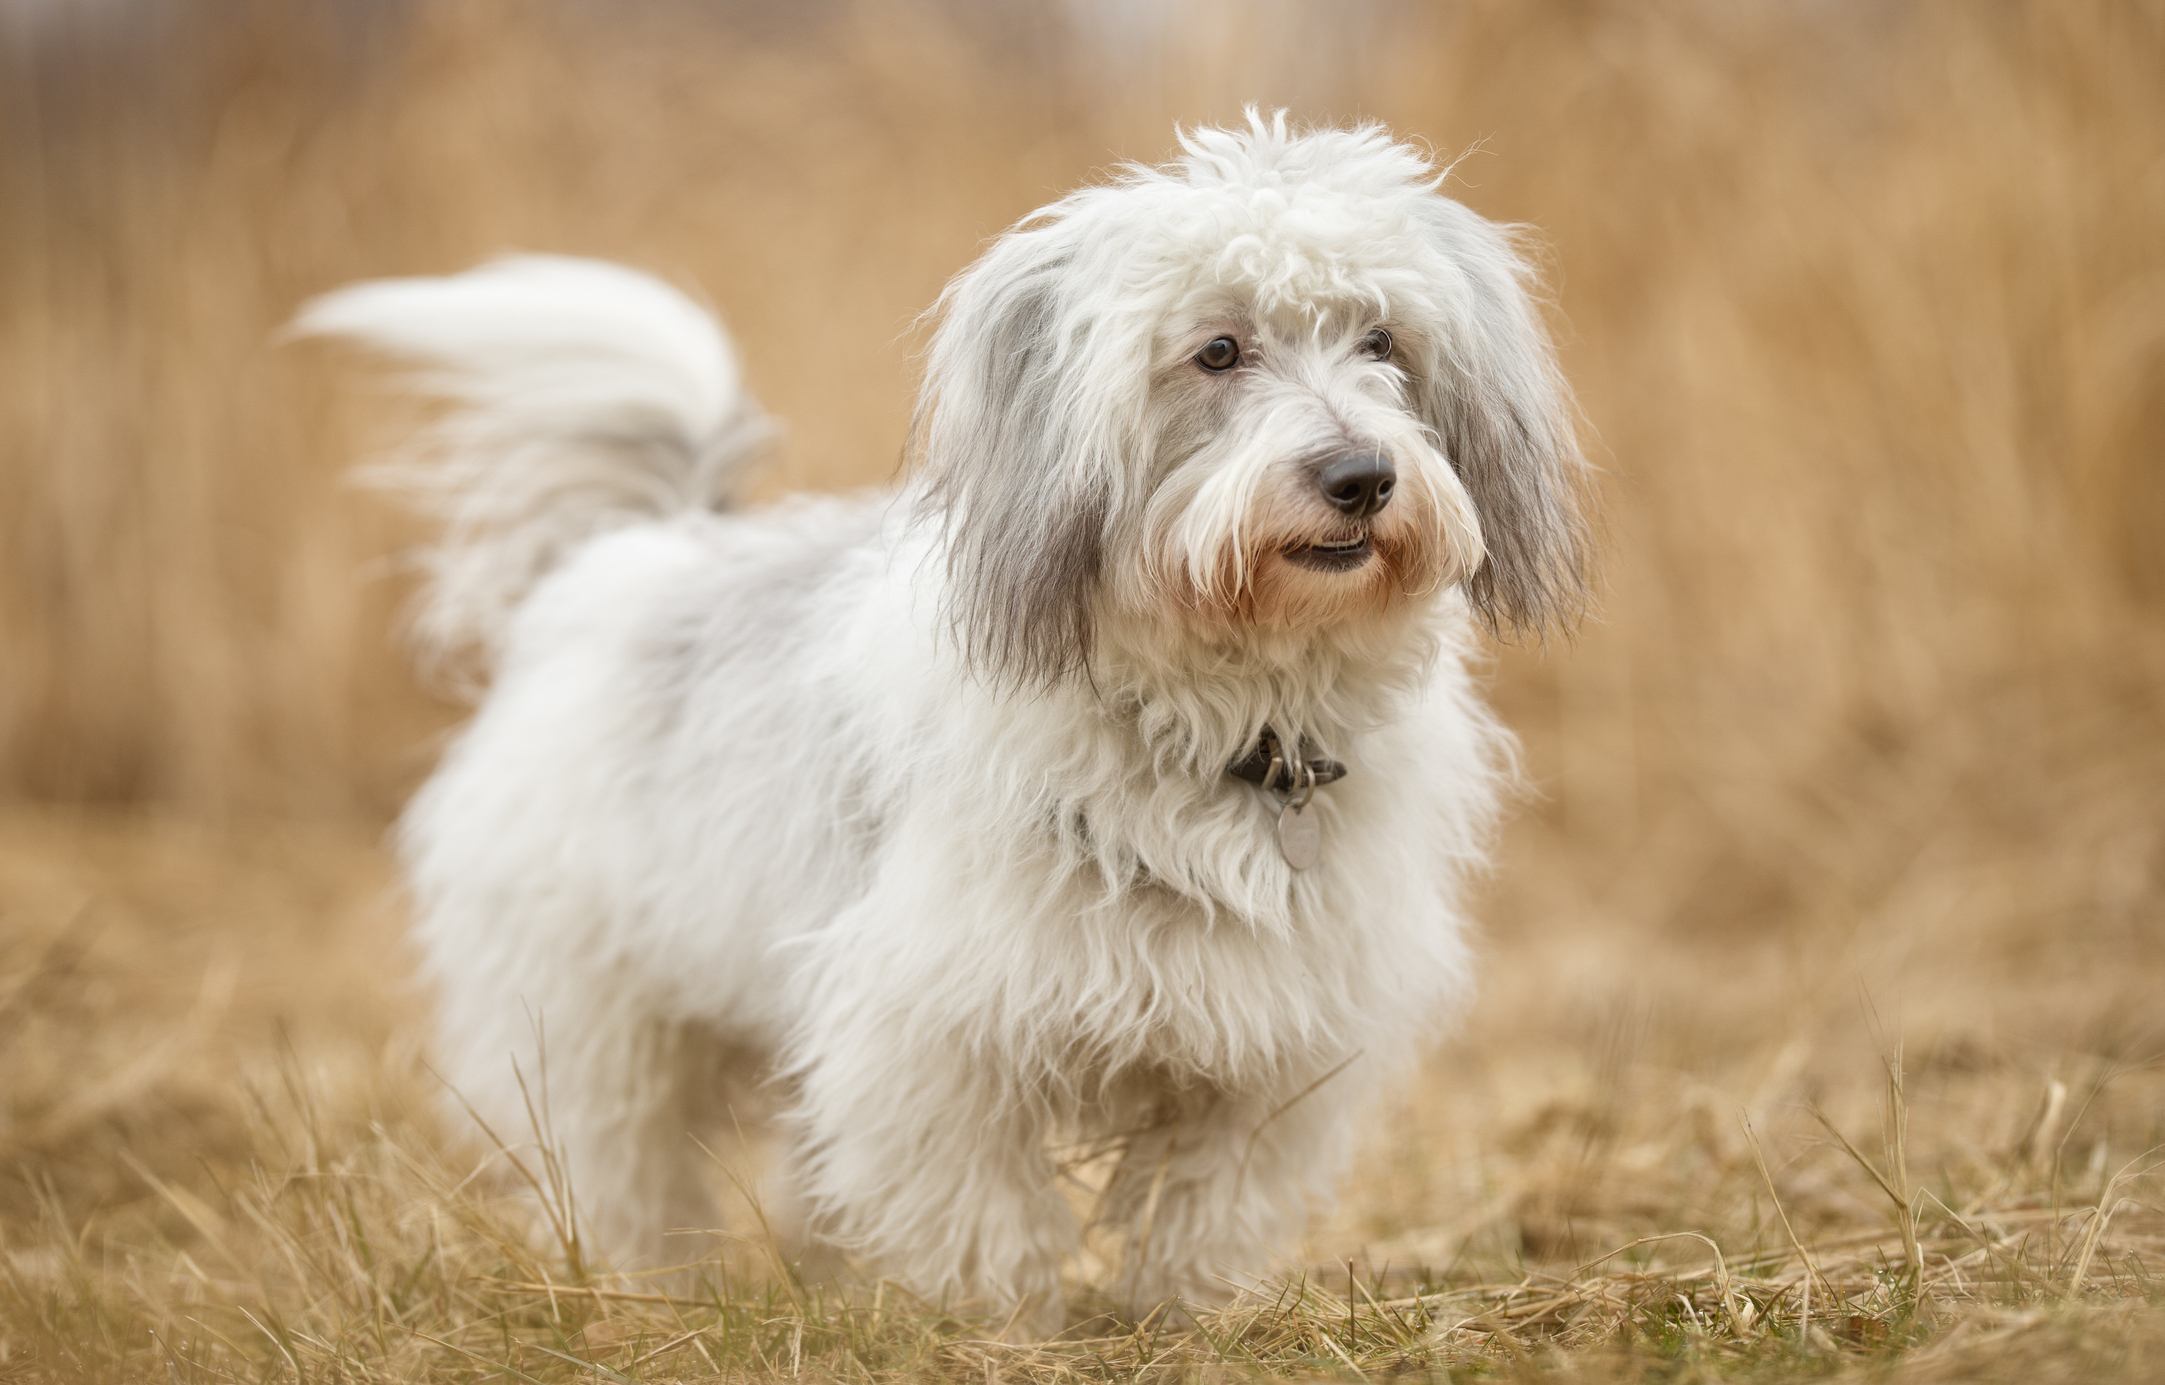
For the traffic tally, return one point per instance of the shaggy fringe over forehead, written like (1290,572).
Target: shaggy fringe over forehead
(1033,436)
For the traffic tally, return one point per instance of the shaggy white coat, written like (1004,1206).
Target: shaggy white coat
(918,799)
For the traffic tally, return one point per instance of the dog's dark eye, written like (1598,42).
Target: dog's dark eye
(1219,353)
(1377,344)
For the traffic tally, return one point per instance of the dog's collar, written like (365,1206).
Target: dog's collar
(1292,780)
(1267,766)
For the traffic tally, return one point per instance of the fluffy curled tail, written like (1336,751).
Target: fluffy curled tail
(587,397)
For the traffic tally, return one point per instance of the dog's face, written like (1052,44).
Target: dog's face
(1281,383)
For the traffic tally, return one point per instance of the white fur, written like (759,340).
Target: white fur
(920,797)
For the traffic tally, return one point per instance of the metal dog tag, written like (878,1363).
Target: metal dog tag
(1300,837)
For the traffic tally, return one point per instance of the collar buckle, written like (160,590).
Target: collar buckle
(1267,766)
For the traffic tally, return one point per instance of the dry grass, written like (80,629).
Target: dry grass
(1866,755)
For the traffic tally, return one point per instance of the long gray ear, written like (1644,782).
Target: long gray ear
(1012,441)
(1499,404)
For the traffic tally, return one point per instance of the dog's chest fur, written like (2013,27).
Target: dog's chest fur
(1122,904)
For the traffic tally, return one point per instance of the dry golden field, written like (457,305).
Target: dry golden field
(1823,1024)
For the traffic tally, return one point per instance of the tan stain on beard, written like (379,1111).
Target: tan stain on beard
(1258,586)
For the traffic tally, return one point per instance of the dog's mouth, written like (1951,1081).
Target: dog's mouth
(1340,555)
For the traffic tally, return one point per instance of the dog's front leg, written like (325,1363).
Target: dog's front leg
(921,1162)
(919,1148)
(1213,1184)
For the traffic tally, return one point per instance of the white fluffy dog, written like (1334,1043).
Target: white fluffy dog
(1117,775)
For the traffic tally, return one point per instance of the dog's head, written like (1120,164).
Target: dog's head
(1281,382)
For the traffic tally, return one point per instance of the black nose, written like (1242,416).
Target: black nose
(1358,482)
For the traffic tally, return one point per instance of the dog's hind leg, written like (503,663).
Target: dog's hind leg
(599,1102)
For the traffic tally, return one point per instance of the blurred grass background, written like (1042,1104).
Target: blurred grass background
(1865,305)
